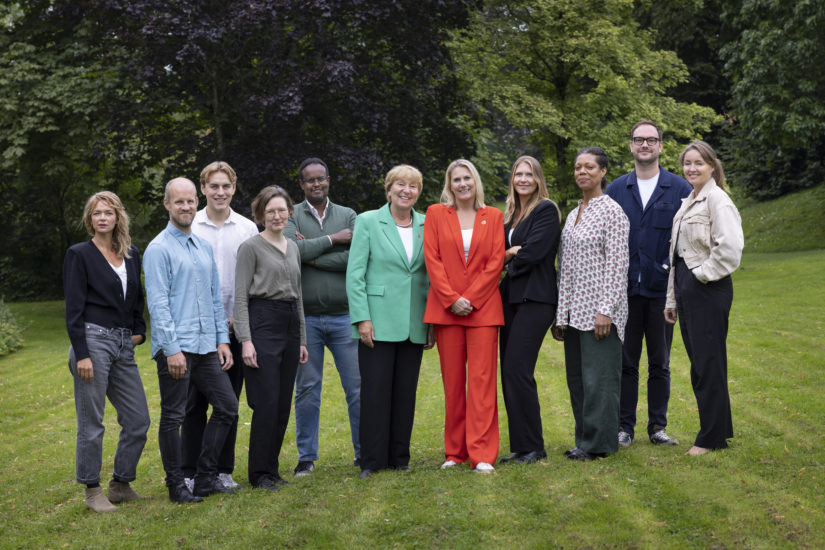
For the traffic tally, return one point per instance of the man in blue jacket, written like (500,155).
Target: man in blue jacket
(650,197)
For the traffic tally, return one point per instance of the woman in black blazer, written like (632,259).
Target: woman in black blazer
(104,318)
(529,295)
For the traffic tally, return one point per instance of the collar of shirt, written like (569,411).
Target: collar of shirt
(315,212)
(201,217)
(180,236)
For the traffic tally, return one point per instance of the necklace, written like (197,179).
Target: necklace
(404,226)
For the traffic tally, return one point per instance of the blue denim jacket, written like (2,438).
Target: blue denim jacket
(649,240)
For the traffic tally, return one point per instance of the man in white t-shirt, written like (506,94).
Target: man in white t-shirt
(225,230)
(650,197)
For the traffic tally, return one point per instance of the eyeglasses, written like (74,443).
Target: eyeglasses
(642,140)
(313,181)
(279,211)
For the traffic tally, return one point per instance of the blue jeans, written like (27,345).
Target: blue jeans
(205,373)
(116,376)
(334,331)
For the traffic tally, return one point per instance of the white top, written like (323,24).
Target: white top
(121,272)
(467,237)
(406,234)
(320,218)
(225,241)
(646,188)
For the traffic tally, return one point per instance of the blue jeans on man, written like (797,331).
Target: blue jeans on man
(334,332)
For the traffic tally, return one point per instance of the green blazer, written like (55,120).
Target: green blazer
(382,285)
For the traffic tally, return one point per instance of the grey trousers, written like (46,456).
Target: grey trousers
(594,377)
(116,376)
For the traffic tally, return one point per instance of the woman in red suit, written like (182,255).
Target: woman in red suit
(464,252)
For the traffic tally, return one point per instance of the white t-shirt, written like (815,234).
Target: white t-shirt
(121,272)
(466,237)
(406,234)
(646,188)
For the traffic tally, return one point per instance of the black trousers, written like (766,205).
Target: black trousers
(521,337)
(646,321)
(389,379)
(276,335)
(203,372)
(195,421)
(703,318)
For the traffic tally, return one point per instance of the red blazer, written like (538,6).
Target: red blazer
(451,277)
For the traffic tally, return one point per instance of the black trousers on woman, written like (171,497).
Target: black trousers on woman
(525,326)
(276,335)
(703,311)
(389,379)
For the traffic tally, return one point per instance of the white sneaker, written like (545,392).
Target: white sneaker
(448,464)
(190,483)
(484,468)
(227,481)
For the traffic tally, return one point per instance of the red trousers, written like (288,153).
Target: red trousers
(468,370)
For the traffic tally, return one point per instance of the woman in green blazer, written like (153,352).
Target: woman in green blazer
(387,293)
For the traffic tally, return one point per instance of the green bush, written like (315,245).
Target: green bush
(11,333)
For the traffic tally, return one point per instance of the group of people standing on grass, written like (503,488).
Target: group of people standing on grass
(229,303)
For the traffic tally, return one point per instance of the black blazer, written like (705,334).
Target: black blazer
(94,294)
(531,273)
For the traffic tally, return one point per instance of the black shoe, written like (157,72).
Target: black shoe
(210,486)
(568,452)
(529,458)
(267,484)
(581,454)
(510,458)
(365,473)
(403,468)
(182,495)
(279,480)
(304,468)
(356,462)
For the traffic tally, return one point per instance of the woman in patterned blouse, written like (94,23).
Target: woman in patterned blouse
(592,310)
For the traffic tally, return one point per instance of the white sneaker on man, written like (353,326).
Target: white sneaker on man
(227,481)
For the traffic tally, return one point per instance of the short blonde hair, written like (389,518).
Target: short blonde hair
(447,195)
(403,172)
(121,240)
(218,166)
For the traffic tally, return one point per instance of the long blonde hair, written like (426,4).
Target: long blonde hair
(121,241)
(709,156)
(513,204)
(447,195)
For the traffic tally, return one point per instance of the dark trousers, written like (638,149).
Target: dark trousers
(204,372)
(389,379)
(703,318)
(276,335)
(646,321)
(521,337)
(195,421)
(593,377)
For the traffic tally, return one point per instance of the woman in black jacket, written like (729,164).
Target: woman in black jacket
(104,318)
(529,295)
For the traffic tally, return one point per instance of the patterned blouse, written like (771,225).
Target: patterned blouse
(593,263)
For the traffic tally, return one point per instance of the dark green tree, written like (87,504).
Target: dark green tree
(777,141)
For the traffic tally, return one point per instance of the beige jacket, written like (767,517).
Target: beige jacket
(707,234)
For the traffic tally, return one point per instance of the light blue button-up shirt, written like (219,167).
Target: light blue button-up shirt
(183,294)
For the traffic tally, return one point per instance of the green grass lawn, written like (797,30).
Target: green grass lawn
(765,491)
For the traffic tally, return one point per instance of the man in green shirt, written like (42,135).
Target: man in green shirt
(323,231)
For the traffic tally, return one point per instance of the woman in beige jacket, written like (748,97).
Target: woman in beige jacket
(705,248)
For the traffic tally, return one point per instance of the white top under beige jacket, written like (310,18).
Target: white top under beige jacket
(707,234)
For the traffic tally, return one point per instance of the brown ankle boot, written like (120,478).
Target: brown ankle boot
(121,492)
(97,501)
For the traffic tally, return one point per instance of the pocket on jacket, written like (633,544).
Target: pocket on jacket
(375,290)
(663,215)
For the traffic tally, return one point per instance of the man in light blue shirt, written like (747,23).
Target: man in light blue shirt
(190,341)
